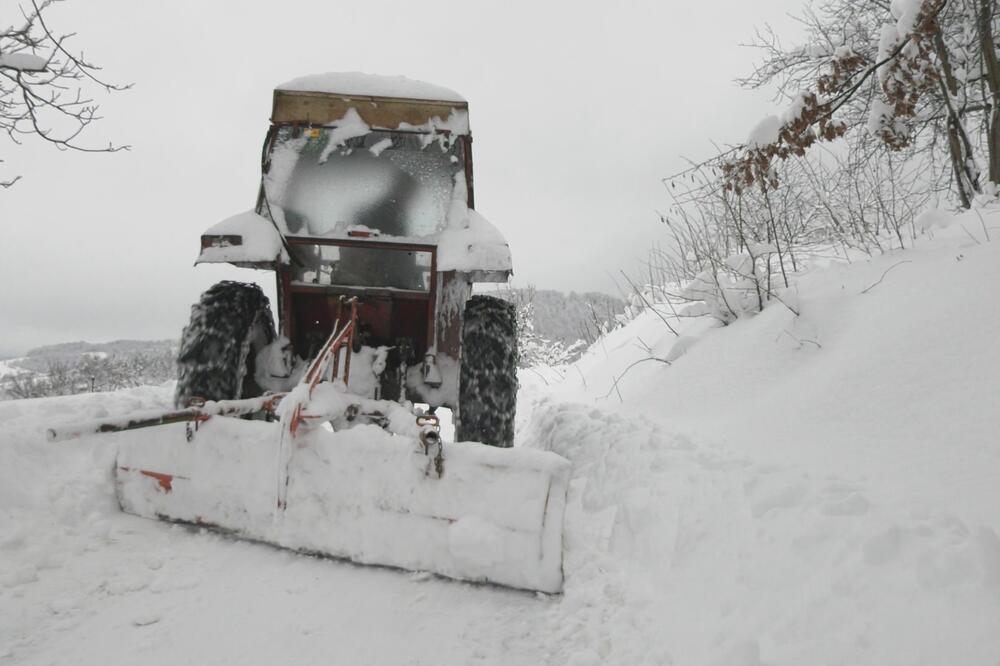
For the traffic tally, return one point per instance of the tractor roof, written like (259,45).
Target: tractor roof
(384,102)
(371,85)
(342,107)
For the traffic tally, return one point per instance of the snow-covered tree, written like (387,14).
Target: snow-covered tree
(535,349)
(46,89)
(93,372)
(916,75)
(892,106)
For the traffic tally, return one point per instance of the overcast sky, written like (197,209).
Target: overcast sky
(577,109)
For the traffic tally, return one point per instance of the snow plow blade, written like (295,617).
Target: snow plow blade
(493,515)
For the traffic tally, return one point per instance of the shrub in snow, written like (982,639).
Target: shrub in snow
(25,385)
(717,267)
(740,287)
(535,349)
(93,372)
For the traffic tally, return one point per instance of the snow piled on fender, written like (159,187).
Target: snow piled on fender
(470,242)
(473,245)
(261,241)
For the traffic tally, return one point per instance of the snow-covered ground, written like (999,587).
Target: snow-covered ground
(820,489)
(82,583)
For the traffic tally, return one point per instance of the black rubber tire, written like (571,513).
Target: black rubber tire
(229,325)
(487,394)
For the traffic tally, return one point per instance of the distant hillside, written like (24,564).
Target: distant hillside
(38,359)
(568,317)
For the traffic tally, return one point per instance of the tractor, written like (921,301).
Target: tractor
(366,193)
(323,438)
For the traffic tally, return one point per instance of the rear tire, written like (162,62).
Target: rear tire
(229,324)
(488,377)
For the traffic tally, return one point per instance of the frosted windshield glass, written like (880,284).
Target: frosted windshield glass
(362,267)
(397,183)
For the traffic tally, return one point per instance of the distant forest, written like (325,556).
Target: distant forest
(566,318)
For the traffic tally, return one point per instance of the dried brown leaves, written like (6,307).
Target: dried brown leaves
(908,72)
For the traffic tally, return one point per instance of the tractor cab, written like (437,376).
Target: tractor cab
(367,192)
(365,214)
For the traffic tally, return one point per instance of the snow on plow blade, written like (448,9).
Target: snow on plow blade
(494,515)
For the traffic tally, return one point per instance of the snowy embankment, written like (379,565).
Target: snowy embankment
(813,489)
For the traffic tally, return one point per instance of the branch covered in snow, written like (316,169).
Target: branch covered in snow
(535,349)
(92,372)
(904,69)
(915,77)
(45,88)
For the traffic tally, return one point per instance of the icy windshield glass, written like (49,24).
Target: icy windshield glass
(400,184)
(329,265)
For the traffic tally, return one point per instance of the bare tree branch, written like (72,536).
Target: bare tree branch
(44,87)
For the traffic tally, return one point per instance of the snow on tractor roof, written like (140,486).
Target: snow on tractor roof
(371,85)
(382,102)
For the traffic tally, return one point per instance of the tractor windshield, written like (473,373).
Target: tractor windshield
(397,183)
(329,265)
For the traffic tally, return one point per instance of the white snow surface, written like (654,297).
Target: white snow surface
(819,489)
(469,241)
(456,123)
(765,132)
(474,244)
(906,12)
(23,62)
(81,582)
(373,85)
(348,127)
(261,241)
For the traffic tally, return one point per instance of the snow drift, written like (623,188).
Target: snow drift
(814,489)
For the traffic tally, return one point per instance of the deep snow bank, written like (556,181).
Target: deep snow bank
(814,489)
(898,384)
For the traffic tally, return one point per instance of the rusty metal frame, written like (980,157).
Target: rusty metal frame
(340,337)
(286,288)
